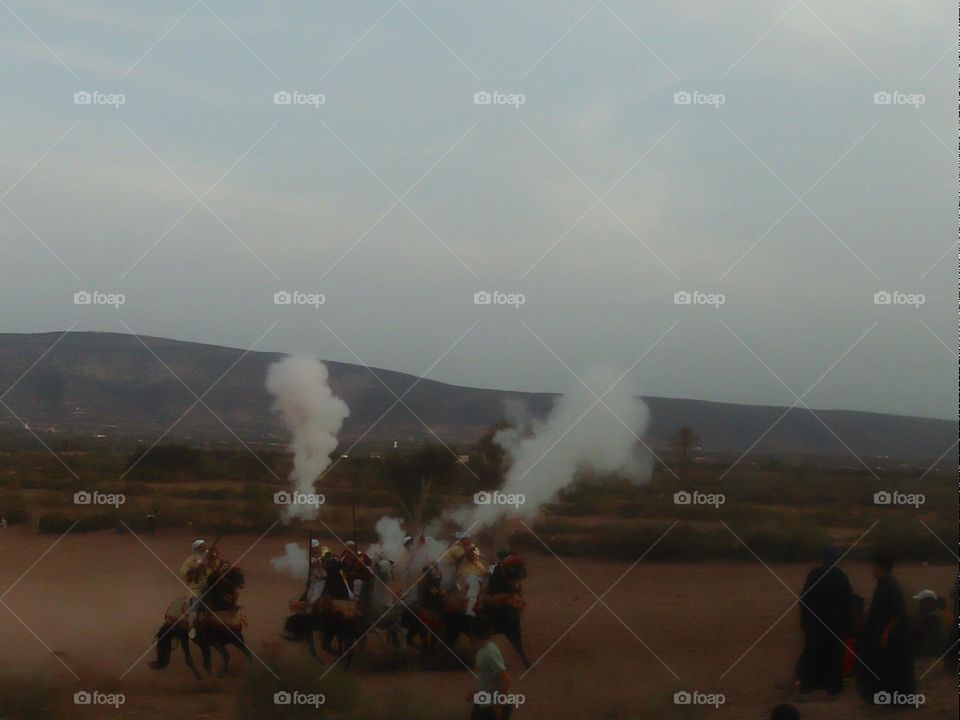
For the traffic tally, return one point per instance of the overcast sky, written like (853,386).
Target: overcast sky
(782,196)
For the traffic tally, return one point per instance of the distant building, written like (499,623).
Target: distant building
(463,459)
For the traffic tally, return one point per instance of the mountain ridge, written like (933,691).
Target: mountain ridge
(104,383)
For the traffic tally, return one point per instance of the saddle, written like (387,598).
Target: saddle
(347,608)
(178,610)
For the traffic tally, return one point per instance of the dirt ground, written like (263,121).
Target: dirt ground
(92,603)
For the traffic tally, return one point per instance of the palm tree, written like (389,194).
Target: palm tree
(685,441)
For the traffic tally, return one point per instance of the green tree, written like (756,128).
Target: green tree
(412,478)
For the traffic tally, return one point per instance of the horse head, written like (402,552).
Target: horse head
(514,567)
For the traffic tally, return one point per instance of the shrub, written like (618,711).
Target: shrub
(13,508)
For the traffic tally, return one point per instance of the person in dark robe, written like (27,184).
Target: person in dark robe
(886,665)
(336,584)
(826,618)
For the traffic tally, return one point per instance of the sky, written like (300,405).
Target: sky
(736,201)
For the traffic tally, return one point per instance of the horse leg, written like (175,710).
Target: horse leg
(203,642)
(346,638)
(512,630)
(241,643)
(515,637)
(221,648)
(312,646)
(185,644)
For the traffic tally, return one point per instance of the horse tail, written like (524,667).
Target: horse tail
(164,644)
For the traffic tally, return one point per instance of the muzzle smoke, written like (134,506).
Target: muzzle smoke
(314,416)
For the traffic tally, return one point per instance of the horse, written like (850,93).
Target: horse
(502,604)
(346,621)
(218,623)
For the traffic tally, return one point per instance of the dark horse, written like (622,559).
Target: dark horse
(335,619)
(502,605)
(340,619)
(218,623)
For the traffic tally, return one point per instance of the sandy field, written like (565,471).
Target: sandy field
(92,603)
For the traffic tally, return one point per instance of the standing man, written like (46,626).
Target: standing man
(193,572)
(885,644)
(826,619)
(493,682)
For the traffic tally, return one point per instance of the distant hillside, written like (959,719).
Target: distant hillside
(109,384)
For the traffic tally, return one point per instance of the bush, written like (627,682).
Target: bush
(59,522)
(13,508)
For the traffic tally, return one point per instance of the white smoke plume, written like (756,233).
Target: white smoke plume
(314,416)
(408,564)
(579,434)
(293,561)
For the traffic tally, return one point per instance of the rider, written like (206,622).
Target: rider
(193,572)
(430,590)
(471,569)
(356,567)
(318,571)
